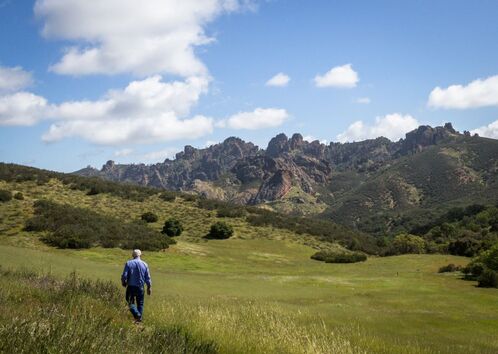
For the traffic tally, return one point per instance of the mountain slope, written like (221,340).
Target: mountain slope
(353,183)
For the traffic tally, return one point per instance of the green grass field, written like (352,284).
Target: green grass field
(261,293)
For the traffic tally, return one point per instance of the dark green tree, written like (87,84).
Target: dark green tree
(220,230)
(149,217)
(172,227)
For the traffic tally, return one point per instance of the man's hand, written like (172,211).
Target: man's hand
(149,291)
(124,284)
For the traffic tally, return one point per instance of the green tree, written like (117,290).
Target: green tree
(172,227)
(220,230)
(407,243)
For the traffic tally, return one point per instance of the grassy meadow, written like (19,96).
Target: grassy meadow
(258,292)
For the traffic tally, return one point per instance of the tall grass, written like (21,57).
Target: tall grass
(40,314)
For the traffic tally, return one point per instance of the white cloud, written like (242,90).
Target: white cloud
(488,131)
(260,118)
(279,80)
(123,152)
(145,111)
(392,126)
(161,155)
(340,76)
(141,37)
(363,100)
(14,79)
(22,108)
(478,93)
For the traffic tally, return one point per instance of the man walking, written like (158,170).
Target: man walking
(135,275)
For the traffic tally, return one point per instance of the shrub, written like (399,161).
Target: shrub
(473,270)
(189,197)
(406,243)
(71,227)
(465,246)
(220,230)
(19,196)
(149,217)
(231,212)
(172,227)
(488,279)
(93,191)
(449,268)
(168,196)
(5,195)
(339,257)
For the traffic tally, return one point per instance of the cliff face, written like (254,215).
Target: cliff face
(247,174)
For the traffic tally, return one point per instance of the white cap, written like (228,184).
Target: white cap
(136,253)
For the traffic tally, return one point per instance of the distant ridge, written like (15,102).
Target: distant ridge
(431,166)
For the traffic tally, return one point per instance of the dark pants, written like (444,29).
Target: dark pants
(135,300)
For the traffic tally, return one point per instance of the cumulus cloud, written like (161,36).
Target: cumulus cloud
(141,37)
(279,80)
(478,93)
(392,126)
(363,100)
(14,79)
(145,111)
(340,76)
(260,118)
(22,108)
(488,131)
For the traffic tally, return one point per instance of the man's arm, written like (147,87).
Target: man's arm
(148,281)
(124,276)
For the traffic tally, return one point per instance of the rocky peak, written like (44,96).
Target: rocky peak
(277,145)
(109,166)
(425,136)
(296,142)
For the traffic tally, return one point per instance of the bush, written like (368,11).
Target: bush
(220,231)
(231,212)
(465,246)
(19,196)
(93,191)
(488,279)
(473,270)
(149,217)
(71,227)
(406,243)
(450,268)
(172,227)
(168,196)
(5,195)
(339,257)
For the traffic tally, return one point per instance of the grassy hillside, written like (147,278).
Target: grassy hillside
(416,188)
(257,292)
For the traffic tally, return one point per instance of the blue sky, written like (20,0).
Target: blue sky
(82,83)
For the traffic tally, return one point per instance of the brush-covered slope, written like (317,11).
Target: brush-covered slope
(123,205)
(373,185)
(418,187)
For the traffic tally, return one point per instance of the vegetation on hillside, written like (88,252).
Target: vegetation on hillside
(484,268)
(324,230)
(334,256)
(73,227)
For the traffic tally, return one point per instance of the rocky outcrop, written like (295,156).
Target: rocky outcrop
(241,172)
(425,136)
